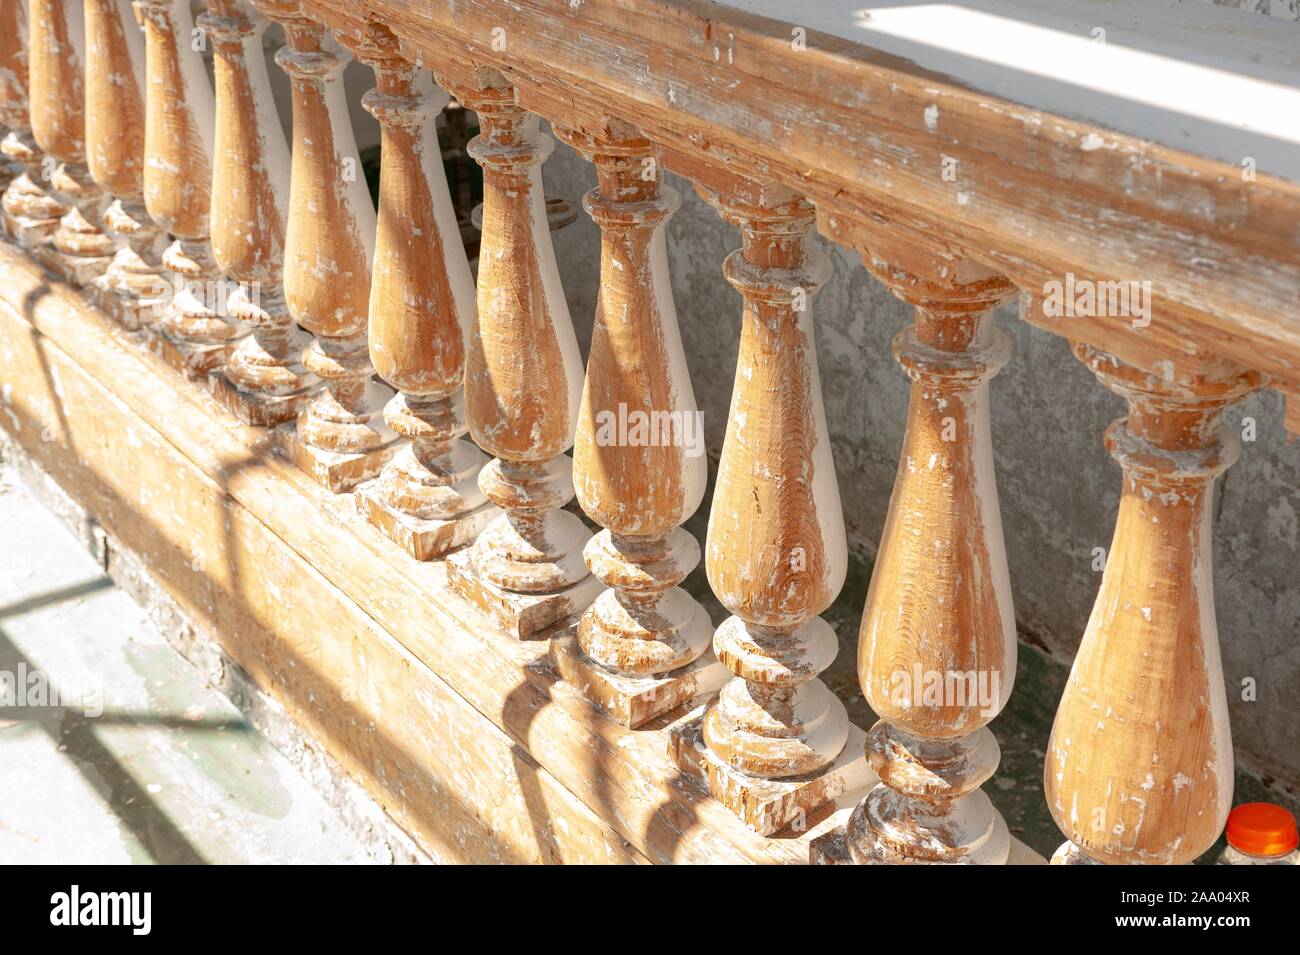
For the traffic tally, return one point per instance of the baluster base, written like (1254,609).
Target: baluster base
(130,292)
(768,805)
(518,614)
(832,847)
(337,471)
(256,408)
(633,700)
(28,232)
(422,538)
(192,360)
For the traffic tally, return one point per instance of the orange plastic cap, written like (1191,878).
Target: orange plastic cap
(1261,829)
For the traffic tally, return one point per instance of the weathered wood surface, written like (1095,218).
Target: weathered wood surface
(1139,764)
(264,382)
(866,134)
(427,498)
(221,479)
(31,214)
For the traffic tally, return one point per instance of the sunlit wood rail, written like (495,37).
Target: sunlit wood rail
(352,458)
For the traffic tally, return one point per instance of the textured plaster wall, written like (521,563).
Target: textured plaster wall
(1059,488)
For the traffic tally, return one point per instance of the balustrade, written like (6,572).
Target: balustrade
(427,498)
(937,646)
(403,352)
(642,648)
(1139,764)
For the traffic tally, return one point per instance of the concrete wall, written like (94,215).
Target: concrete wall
(1059,488)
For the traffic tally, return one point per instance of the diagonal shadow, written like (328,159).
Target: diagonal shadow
(71,592)
(74,733)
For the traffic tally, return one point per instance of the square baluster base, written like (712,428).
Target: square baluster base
(768,805)
(31,234)
(195,362)
(337,471)
(520,615)
(421,538)
(832,847)
(633,701)
(258,410)
(77,270)
(123,307)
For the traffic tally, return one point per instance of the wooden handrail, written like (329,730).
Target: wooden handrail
(866,135)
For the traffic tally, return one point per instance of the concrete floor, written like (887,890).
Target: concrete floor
(141,762)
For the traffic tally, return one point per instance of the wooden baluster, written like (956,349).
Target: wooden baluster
(132,289)
(523,376)
(264,381)
(341,437)
(643,647)
(427,498)
(31,214)
(79,250)
(1139,765)
(937,645)
(195,332)
(772,746)
(13,82)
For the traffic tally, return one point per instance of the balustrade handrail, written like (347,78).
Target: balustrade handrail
(865,133)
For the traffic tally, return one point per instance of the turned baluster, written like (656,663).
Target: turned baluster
(1139,765)
(13,81)
(132,289)
(523,376)
(195,333)
(643,647)
(772,746)
(79,250)
(264,381)
(31,214)
(341,437)
(937,644)
(427,498)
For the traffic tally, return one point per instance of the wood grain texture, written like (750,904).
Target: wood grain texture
(31,213)
(328,252)
(523,372)
(937,644)
(639,464)
(775,554)
(131,288)
(1139,766)
(421,308)
(264,381)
